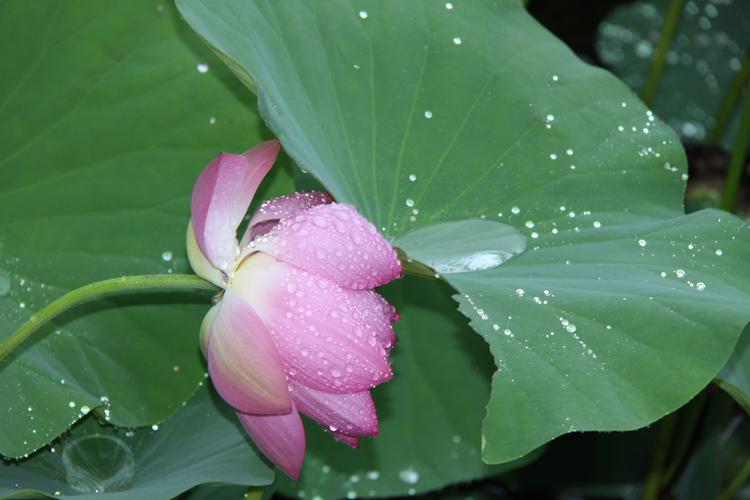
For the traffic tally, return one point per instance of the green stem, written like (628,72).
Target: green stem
(727,108)
(654,479)
(414,267)
(660,58)
(740,479)
(152,282)
(685,436)
(731,187)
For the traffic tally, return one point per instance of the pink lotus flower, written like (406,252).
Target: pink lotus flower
(298,327)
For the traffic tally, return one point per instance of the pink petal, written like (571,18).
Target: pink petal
(326,342)
(378,314)
(221,197)
(352,413)
(244,364)
(334,241)
(206,326)
(346,439)
(198,261)
(281,438)
(273,210)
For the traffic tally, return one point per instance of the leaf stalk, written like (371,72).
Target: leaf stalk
(97,290)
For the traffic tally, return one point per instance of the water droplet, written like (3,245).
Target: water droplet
(412,177)
(597,224)
(409,476)
(520,292)
(155,427)
(409,202)
(97,464)
(202,68)
(373,475)
(320,221)
(529,224)
(449,6)
(428,114)
(84,409)
(71,404)
(166,256)
(679,273)
(456,40)
(700,286)
(515,210)
(363,14)
(641,243)
(719,252)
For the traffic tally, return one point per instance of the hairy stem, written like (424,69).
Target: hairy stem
(660,58)
(114,286)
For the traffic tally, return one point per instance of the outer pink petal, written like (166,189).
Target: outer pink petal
(206,326)
(334,241)
(273,210)
(346,439)
(280,437)
(221,197)
(326,342)
(244,364)
(353,413)
(378,314)
(198,261)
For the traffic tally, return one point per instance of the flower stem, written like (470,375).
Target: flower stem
(99,289)
(732,184)
(739,480)
(660,58)
(728,103)
(654,480)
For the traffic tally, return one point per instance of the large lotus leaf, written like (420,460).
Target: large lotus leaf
(704,57)
(424,112)
(429,413)
(108,111)
(202,443)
